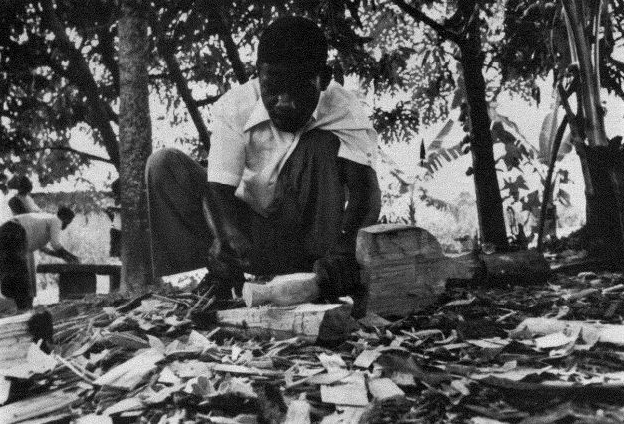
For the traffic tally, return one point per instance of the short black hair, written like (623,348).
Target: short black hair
(293,40)
(17,206)
(65,214)
(21,183)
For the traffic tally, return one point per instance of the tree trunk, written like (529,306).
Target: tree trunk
(135,134)
(603,210)
(489,201)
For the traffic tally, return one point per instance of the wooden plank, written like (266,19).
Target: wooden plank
(14,340)
(306,320)
(38,406)
(129,374)
(384,388)
(77,280)
(101,269)
(350,391)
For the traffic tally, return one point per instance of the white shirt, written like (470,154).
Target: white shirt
(248,152)
(41,228)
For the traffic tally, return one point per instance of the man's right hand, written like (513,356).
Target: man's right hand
(230,248)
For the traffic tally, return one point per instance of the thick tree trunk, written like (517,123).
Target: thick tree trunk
(489,201)
(135,134)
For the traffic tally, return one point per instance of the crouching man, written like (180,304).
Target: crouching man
(290,176)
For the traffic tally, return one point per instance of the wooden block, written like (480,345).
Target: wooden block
(399,288)
(405,268)
(381,243)
(283,290)
(307,320)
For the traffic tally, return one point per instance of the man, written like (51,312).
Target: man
(39,231)
(22,202)
(285,149)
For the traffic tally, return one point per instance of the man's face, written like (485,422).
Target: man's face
(289,97)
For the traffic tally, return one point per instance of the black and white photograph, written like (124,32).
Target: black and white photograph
(311,211)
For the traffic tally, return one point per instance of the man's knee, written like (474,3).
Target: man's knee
(161,159)
(160,163)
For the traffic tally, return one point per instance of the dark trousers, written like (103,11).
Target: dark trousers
(304,222)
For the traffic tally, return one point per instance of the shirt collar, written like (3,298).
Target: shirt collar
(259,114)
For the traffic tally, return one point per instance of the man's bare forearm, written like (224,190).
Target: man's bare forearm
(364,201)
(229,245)
(60,253)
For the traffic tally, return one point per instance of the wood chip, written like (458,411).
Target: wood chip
(351,391)
(384,388)
(366,358)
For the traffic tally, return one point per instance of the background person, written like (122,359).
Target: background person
(42,232)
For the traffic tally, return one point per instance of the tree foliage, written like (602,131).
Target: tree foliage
(60,69)
(536,42)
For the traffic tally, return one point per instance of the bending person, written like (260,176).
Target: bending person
(42,232)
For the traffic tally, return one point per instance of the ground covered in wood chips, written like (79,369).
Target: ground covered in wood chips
(550,354)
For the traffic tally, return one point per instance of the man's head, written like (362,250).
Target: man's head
(293,71)
(66,216)
(21,183)
(17,206)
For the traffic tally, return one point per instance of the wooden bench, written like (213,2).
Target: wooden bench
(78,280)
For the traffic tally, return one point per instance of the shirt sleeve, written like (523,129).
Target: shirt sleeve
(359,146)
(226,160)
(55,234)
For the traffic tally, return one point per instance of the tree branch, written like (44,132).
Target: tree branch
(107,48)
(69,149)
(83,78)
(225,34)
(418,15)
(208,100)
(166,49)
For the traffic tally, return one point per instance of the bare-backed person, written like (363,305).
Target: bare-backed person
(290,175)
